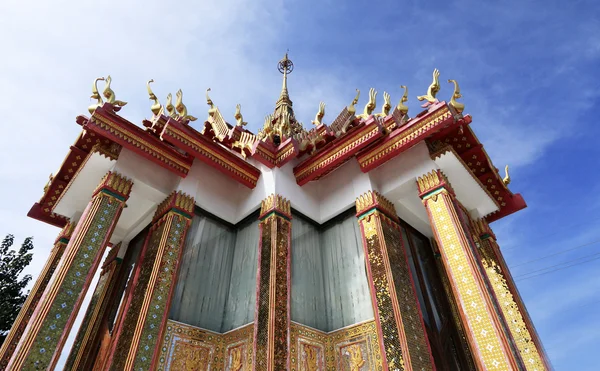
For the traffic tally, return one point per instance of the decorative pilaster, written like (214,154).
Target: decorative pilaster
(136,340)
(83,350)
(18,327)
(44,337)
(489,344)
(402,334)
(272,318)
(510,302)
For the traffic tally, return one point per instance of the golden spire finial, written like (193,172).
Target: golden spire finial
(459,107)
(285,66)
(95,95)
(156,106)
(431,91)
(506,179)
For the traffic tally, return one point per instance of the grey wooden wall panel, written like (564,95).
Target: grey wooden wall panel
(241,300)
(307,292)
(204,277)
(347,295)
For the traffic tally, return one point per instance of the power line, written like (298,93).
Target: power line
(557,269)
(559,264)
(557,253)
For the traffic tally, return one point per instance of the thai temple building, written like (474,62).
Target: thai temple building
(358,243)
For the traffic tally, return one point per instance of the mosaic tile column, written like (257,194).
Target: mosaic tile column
(137,338)
(402,334)
(44,337)
(489,344)
(272,318)
(519,323)
(83,350)
(16,331)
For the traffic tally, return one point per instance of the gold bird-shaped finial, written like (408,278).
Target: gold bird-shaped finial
(95,95)
(432,91)
(181,108)
(351,107)
(459,107)
(170,107)
(371,104)
(239,119)
(109,94)
(506,179)
(401,107)
(213,109)
(156,106)
(320,114)
(387,105)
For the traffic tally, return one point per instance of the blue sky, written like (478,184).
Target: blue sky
(528,70)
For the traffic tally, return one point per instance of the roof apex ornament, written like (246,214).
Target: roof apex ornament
(401,107)
(320,114)
(459,107)
(95,95)
(213,109)
(170,107)
(506,179)
(351,108)
(432,91)
(156,107)
(182,109)
(109,94)
(238,116)
(371,104)
(387,105)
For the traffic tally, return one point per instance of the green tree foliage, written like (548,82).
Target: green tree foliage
(12,263)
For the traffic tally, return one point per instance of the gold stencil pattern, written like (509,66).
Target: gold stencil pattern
(516,324)
(462,276)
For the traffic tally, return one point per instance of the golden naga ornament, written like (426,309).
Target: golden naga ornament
(213,109)
(156,107)
(351,107)
(182,109)
(432,91)
(371,104)
(506,179)
(170,107)
(109,94)
(387,105)
(96,95)
(401,107)
(238,116)
(320,114)
(459,107)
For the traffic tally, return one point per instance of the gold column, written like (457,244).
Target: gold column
(272,318)
(49,327)
(137,338)
(18,327)
(83,350)
(402,334)
(512,306)
(489,343)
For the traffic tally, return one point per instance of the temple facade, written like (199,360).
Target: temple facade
(359,244)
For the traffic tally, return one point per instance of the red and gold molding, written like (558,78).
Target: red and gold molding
(467,147)
(86,143)
(49,327)
(519,323)
(108,124)
(402,333)
(26,312)
(339,151)
(137,337)
(272,315)
(437,118)
(352,348)
(489,343)
(186,347)
(213,154)
(83,351)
